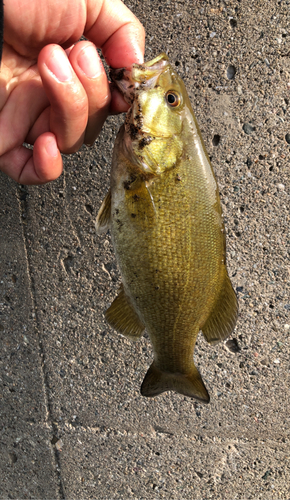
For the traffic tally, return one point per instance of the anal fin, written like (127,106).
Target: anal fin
(123,318)
(223,317)
(104,215)
(157,381)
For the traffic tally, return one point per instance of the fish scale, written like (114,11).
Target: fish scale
(164,213)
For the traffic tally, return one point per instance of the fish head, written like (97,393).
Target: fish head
(154,122)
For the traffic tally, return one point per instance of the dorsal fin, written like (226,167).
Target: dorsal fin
(223,317)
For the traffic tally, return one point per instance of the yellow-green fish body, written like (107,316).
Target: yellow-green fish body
(166,222)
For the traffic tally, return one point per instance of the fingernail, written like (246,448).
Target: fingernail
(60,66)
(89,62)
(51,147)
(139,55)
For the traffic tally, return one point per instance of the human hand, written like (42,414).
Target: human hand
(53,94)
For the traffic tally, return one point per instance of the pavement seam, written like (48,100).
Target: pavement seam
(23,205)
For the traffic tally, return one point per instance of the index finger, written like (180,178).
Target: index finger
(113,28)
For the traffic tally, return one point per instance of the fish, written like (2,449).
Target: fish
(164,213)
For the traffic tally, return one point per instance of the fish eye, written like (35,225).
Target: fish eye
(172,98)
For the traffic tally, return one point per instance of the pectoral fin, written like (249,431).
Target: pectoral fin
(123,318)
(104,215)
(157,381)
(140,202)
(222,319)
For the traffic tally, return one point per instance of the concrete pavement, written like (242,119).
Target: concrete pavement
(73,424)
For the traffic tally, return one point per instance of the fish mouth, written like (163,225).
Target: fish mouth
(138,77)
(130,82)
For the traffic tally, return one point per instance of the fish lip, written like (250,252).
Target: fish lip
(138,76)
(122,80)
(134,72)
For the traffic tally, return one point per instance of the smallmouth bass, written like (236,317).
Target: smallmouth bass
(165,217)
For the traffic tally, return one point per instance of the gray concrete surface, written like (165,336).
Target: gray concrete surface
(73,424)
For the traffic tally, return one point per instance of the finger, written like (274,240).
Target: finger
(89,69)
(116,31)
(25,103)
(47,160)
(68,99)
(39,166)
(40,126)
(6,77)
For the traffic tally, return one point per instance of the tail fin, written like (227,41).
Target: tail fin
(157,381)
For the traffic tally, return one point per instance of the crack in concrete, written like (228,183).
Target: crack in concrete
(23,204)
